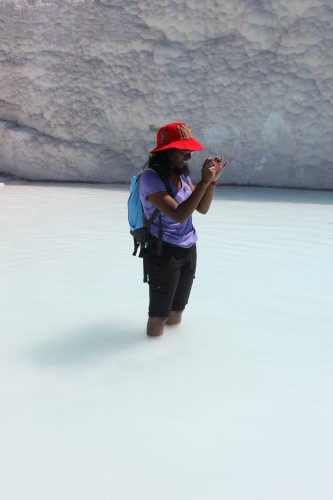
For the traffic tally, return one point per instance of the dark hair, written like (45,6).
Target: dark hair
(161,164)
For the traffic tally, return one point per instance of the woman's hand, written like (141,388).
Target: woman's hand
(213,168)
(208,170)
(220,165)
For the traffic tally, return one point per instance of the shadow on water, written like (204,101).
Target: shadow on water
(87,346)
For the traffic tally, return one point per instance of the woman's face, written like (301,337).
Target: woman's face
(178,156)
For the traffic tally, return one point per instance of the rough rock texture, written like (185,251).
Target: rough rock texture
(85,84)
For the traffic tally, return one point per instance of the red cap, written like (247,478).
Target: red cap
(176,135)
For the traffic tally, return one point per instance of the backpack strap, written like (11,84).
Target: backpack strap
(147,226)
(148,223)
(151,219)
(136,245)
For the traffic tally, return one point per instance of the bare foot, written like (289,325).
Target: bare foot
(155,326)
(174,318)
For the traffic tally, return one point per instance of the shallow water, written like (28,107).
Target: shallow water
(236,403)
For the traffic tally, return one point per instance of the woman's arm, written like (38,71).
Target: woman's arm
(200,198)
(206,200)
(180,212)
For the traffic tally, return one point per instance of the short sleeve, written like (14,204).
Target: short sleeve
(150,183)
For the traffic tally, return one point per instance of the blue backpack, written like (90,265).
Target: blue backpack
(138,223)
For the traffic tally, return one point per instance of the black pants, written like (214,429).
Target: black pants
(170,278)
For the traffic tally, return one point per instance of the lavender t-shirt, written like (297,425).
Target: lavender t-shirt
(181,234)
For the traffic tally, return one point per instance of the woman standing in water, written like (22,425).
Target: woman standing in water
(166,185)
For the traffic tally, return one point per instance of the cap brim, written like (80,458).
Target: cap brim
(185,144)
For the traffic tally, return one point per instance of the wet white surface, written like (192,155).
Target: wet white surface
(236,403)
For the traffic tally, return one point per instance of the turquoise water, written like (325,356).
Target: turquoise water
(236,403)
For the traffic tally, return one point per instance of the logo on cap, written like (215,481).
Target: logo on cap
(164,137)
(185,131)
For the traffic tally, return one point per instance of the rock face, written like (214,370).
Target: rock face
(85,84)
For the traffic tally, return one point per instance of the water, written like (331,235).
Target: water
(236,403)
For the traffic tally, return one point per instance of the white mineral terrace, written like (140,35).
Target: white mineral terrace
(84,84)
(234,404)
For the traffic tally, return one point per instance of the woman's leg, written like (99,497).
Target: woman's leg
(170,283)
(184,287)
(163,276)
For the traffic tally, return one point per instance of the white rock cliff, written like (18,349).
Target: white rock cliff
(85,84)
